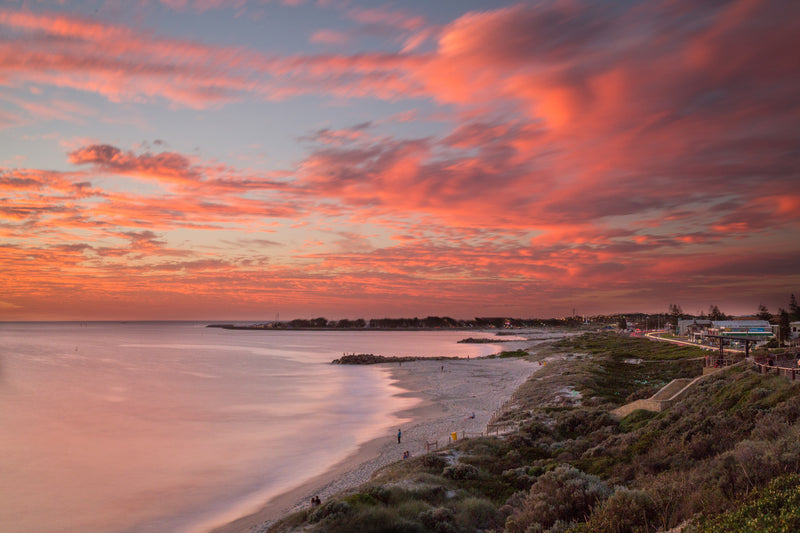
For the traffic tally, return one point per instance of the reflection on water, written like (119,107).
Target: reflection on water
(170,427)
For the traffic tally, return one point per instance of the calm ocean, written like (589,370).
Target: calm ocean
(152,427)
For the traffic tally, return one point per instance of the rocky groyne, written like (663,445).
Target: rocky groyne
(371,359)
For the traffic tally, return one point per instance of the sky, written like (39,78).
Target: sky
(254,159)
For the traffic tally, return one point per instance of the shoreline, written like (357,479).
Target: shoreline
(447,397)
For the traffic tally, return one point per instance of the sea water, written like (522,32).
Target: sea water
(152,427)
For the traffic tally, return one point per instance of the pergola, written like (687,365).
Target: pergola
(722,338)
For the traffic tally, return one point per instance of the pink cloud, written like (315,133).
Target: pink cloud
(330,37)
(166,165)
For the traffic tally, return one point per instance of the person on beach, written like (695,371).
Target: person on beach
(406,454)
(399,434)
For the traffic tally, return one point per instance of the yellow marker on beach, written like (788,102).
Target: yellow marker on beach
(454,435)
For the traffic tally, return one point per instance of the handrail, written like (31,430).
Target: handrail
(779,370)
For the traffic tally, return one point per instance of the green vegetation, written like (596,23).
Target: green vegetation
(572,467)
(774,509)
(508,354)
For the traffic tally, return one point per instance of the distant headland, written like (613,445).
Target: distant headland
(431,322)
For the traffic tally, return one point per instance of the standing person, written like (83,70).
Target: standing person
(399,434)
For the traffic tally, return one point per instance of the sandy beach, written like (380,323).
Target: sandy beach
(449,393)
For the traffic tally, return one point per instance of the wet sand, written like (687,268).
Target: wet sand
(448,398)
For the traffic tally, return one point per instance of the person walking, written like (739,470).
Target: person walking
(399,434)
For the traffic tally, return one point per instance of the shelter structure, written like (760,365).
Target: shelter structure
(739,330)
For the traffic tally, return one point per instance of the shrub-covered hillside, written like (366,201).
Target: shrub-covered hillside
(722,458)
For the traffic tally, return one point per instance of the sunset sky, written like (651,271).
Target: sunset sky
(211,159)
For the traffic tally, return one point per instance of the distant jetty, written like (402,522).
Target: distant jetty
(370,359)
(473,340)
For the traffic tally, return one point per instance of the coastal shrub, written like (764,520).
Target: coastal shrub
(434,463)
(512,353)
(360,498)
(518,478)
(759,393)
(489,463)
(773,509)
(671,495)
(461,471)
(563,494)
(570,424)
(380,493)
(641,394)
(439,519)
(482,446)
(529,449)
(535,430)
(411,509)
(625,511)
(728,477)
(476,513)
(770,426)
(636,420)
(331,509)
(432,494)
(370,520)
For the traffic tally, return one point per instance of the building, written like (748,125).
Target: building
(692,325)
(794,328)
(759,330)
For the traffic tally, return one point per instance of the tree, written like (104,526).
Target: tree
(763,313)
(675,314)
(622,323)
(715,314)
(784,328)
(793,309)
(320,322)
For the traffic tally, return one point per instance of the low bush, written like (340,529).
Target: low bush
(519,478)
(625,511)
(371,520)
(360,498)
(461,471)
(774,509)
(439,519)
(330,509)
(563,494)
(476,513)
(512,353)
(636,420)
(411,509)
(434,463)
(570,424)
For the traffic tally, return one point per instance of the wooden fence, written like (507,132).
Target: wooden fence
(500,427)
(766,368)
(504,408)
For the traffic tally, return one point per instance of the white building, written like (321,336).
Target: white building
(794,327)
(744,329)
